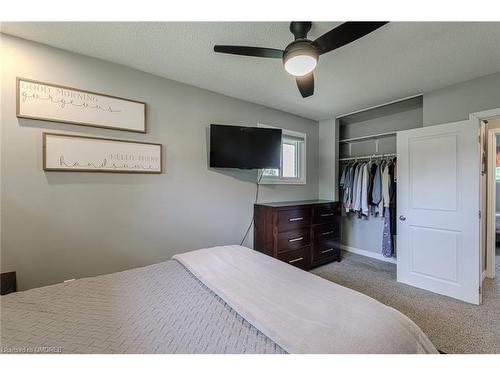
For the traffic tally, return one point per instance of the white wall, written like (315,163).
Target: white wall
(61,225)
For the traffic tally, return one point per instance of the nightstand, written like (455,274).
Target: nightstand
(8,283)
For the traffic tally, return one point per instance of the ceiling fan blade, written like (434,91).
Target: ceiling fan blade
(250,51)
(343,34)
(306,85)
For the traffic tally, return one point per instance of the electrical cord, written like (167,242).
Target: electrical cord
(253,216)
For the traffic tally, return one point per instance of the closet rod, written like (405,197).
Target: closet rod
(367,157)
(374,136)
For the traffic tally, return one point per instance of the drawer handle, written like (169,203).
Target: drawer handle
(295,239)
(327,233)
(330,214)
(327,250)
(295,260)
(296,218)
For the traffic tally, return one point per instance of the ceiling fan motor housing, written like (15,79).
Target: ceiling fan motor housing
(300,29)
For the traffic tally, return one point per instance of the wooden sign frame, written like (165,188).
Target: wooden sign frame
(65,99)
(104,164)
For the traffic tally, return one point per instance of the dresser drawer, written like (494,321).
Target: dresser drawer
(293,219)
(298,258)
(325,213)
(327,231)
(324,250)
(293,239)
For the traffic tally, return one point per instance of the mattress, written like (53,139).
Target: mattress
(226,299)
(160,308)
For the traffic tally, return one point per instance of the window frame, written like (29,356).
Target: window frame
(301,160)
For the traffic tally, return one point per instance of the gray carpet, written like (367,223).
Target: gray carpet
(453,326)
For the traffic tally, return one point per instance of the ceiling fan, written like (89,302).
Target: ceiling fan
(301,56)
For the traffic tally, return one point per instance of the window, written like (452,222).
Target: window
(293,160)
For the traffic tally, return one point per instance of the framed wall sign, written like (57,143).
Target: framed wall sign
(75,153)
(49,102)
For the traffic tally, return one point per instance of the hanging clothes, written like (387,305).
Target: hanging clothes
(386,197)
(351,186)
(372,169)
(343,176)
(392,193)
(346,186)
(369,188)
(356,197)
(387,248)
(364,190)
(389,188)
(377,187)
(384,188)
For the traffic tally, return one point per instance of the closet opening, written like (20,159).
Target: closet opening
(368,175)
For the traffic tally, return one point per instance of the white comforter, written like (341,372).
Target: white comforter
(301,312)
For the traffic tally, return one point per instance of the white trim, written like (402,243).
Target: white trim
(367,253)
(379,105)
(478,117)
(268,180)
(491,202)
(485,115)
(293,133)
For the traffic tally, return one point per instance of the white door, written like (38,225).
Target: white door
(438,209)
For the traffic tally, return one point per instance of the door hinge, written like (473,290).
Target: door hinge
(479,289)
(480,214)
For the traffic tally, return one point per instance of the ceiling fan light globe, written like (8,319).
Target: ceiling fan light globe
(300,58)
(300,65)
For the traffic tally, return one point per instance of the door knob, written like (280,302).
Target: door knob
(402,218)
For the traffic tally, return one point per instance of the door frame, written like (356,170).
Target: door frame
(479,118)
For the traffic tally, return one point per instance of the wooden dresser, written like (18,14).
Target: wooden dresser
(305,234)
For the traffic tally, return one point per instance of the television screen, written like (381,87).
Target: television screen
(244,147)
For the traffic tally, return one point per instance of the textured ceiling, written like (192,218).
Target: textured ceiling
(398,60)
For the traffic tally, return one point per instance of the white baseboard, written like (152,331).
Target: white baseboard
(367,253)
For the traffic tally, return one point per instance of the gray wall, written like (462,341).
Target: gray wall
(60,225)
(328,136)
(455,103)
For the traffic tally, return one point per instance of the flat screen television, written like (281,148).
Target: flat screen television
(244,147)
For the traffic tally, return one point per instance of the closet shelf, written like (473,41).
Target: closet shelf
(367,137)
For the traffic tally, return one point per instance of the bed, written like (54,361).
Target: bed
(227,299)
